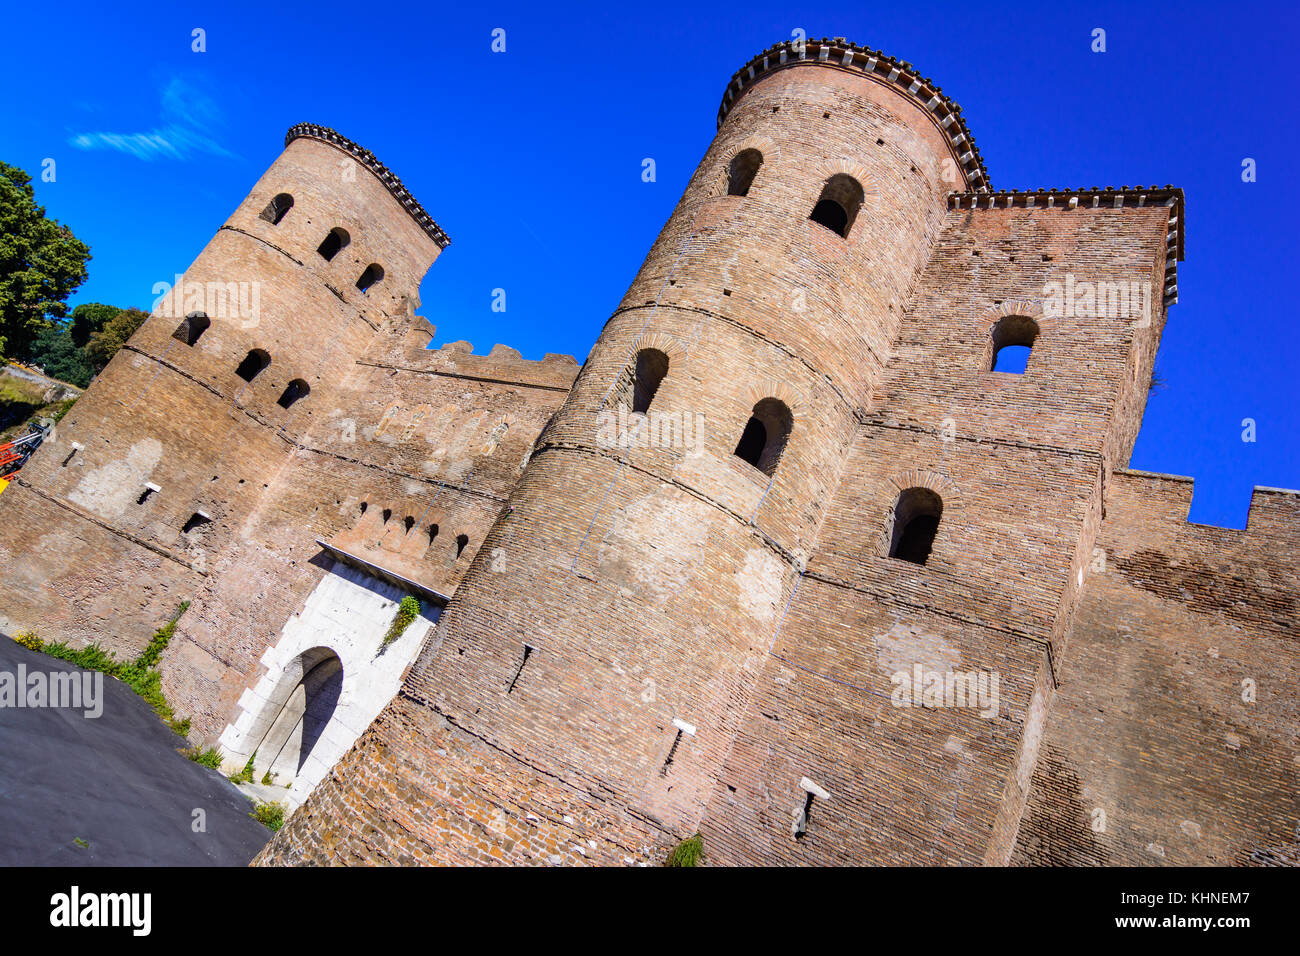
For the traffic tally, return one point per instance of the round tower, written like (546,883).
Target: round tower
(610,630)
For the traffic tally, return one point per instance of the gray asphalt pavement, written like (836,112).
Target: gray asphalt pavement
(117,783)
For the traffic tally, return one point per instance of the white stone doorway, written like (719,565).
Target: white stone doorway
(327,677)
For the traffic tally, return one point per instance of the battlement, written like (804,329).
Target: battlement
(841,54)
(1167,500)
(1095,197)
(381,172)
(502,364)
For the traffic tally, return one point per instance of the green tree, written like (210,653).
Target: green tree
(54,350)
(88,318)
(41,263)
(103,345)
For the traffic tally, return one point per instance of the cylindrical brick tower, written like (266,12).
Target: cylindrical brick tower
(586,684)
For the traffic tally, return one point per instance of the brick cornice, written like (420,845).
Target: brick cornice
(899,74)
(381,172)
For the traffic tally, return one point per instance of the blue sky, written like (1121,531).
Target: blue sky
(531,159)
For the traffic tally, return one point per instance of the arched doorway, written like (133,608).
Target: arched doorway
(296,717)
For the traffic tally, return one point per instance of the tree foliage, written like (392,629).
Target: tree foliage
(103,345)
(77,350)
(88,318)
(41,263)
(54,351)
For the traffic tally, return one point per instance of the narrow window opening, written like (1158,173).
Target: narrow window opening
(409,522)
(388,513)
(333,242)
(1013,338)
(461,541)
(275,210)
(742,171)
(292,392)
(651,367)
(373,274)
(364,506)
(766,433)
(528,650)
(433,532)
(192,328)
(916,522)
(76,447)
(838,205)
(253,364)
(149,491)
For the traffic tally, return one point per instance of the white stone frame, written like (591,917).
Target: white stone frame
(347,614)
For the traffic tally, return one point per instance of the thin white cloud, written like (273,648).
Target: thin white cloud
(188,119)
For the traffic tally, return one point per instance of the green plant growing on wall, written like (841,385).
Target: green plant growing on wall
(407,611)
(687,853)
(245,775)
(141,674)
(207,758)
(270,815)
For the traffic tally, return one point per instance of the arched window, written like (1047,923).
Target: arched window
(433,532)
(461,541)
(765,435)
(275,210)
(192,328)
(408,522)
(336,240)
(1013,339)
(373,274)
(916,520)
(740,174)
(651,367)
(293,391)
(253,364)
(839,203)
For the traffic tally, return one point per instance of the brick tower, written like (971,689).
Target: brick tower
(796,561)
(590,686)
(149,490)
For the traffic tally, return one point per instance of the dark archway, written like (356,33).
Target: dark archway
(336,240)
(277,208)
(742,171)
(1013,341)
(254,363)
(311,691)
(837,207)
(766,433)
(192,328)
(916,522)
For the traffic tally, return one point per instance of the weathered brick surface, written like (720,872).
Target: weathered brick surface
(652,639)
(1151,754)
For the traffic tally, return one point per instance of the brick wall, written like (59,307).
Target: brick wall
(1152,756)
